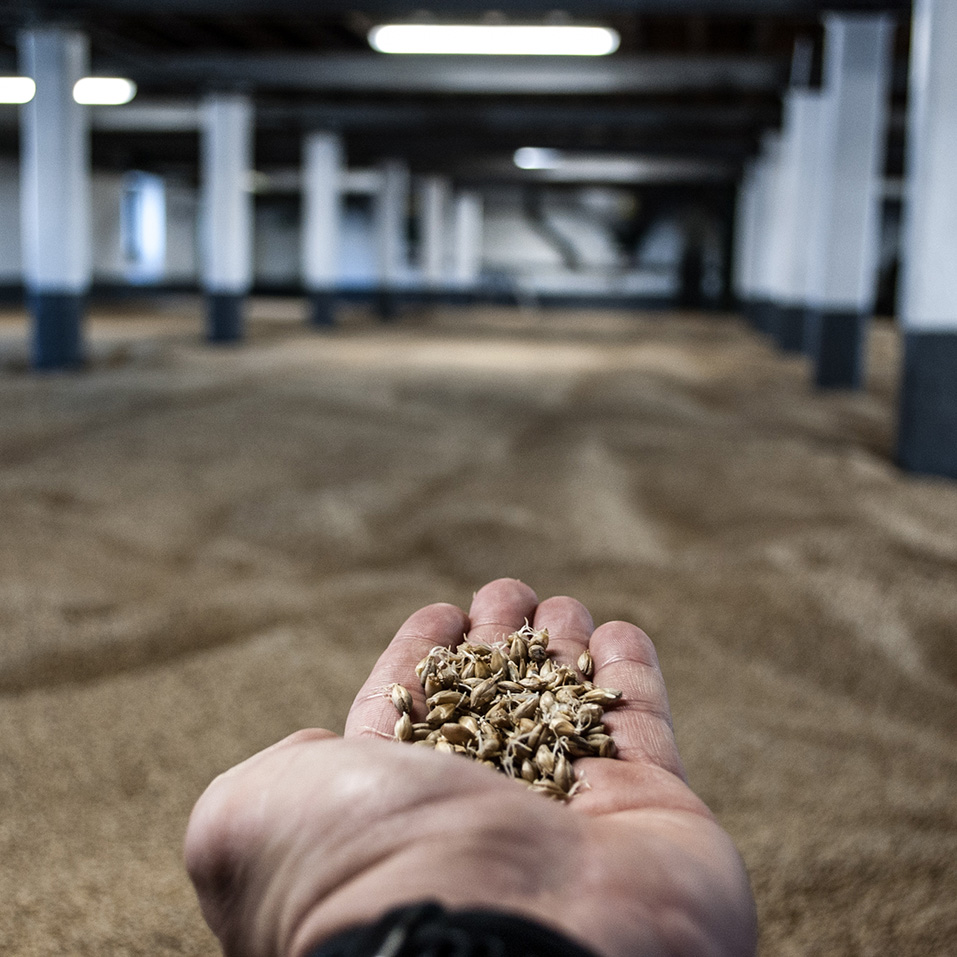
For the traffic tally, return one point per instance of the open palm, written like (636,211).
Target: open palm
(319,833)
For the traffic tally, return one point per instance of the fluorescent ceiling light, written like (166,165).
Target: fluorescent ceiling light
(104,91)
(535,157)
(16,89)
(494,39)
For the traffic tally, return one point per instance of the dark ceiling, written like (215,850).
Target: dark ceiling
(693,79)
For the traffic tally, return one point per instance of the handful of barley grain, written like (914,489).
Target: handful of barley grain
(508,705)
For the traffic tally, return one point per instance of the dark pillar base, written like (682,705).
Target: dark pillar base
(759,313)
(459,297)
(224,316)
(747,309)
(57,334)
(443,297)
(429,296)
(322,309)
(387,305)
(812,332)
(788,327)
(836,343)
(927,436)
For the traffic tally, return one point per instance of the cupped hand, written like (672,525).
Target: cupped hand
(318,833)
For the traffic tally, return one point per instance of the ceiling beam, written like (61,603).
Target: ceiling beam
(459,8)
(184,115)
(521,116)
(541,76)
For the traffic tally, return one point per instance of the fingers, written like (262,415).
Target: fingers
(640,723)
(372,712)
(500,608)
(624,658)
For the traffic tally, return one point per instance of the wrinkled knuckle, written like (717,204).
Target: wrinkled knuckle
(211,835)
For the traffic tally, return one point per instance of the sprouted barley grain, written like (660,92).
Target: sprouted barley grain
(510,706)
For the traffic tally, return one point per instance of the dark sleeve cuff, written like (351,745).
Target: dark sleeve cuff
(428,930)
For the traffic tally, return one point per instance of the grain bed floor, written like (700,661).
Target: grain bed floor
(202,550)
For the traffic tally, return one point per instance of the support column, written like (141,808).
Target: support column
(795,188)
(227,148)
(434,198)
(766,178)
(745,239)
(55,195)
(845,234)
(927,437)
(321,223)
(392,245)
(467,223)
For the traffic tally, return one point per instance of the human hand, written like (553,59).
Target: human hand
(318,833)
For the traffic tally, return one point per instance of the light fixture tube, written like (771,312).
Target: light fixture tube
(103,91)
(493,39)
(17,89)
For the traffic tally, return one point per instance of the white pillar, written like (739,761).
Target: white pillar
(927,438)
(227,151)
(434,198)
(845,235)
(55,194)
(321,222)
(793,210)
(467,226)
(767,168)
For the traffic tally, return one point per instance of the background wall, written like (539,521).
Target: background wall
(567,241)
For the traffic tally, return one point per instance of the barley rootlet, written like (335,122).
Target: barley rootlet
(510,706)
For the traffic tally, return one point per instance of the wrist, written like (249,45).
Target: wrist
(428,928)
